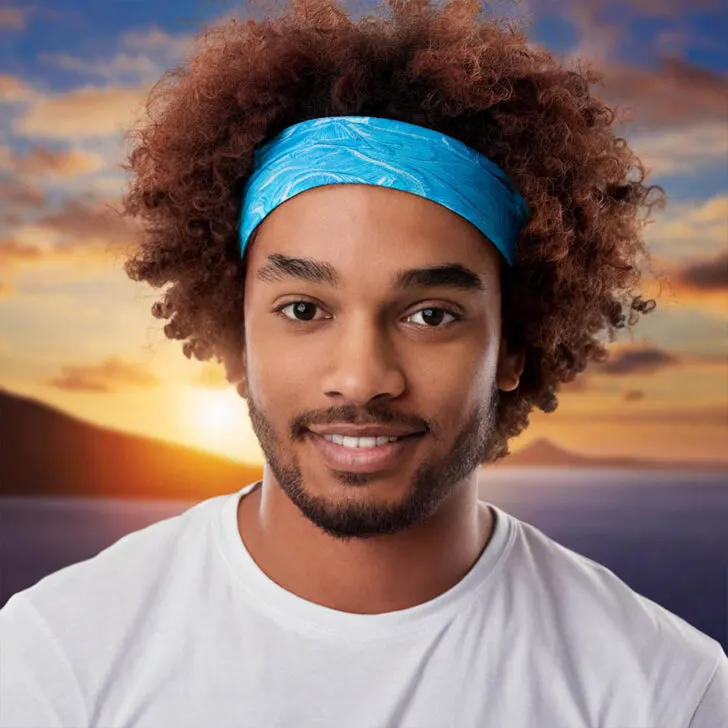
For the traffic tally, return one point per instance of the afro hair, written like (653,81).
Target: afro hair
(455,68)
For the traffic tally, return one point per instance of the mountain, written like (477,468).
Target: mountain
(543,453)
(45,452)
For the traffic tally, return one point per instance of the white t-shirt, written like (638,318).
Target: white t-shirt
(176,625)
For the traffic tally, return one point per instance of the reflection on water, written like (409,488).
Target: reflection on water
(664,533)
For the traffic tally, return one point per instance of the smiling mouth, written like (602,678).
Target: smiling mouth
(365,441)
(368,458)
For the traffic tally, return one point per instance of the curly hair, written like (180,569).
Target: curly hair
(455,68)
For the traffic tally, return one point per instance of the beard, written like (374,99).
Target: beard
(436,478)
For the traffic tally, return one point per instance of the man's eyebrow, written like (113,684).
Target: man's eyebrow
(448,275)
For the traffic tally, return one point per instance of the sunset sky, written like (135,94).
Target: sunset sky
(77,334)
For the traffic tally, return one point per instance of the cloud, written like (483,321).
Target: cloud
(152,40)
(675,151)
(637,371)
(83,113)
(667,89)
(17,194)
(14,90)
(118,65)
(689,225)
(674,93)
(106,377)
(85,222)
(645,8)
(12,19)
(637,360)
(709,275)
(640,359)
(699,283)
(144,55)
(596,39)
(84,234)
(12,253)
(42,161)
(6,290)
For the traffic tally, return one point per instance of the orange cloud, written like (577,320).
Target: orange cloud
(85,234)
(16,193)
(12,253)
(636,372)
(40,160)
(6,290)
(12,19)
(87,222)
(83,258)
(676,92)
(689,226)
(83,113)
(108,376)
(699,283)
(706,275)
(13,90)
(637,360)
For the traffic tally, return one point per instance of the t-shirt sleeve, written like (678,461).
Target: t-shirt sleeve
(712,710)
(37,683)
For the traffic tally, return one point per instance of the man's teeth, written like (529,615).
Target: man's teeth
(360,441)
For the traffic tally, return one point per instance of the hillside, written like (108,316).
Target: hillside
(45,452)
(543,453)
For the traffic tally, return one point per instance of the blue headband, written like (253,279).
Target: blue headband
(384,153)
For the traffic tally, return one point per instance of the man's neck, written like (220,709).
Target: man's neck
(366,576)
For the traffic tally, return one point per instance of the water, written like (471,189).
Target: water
(664,533)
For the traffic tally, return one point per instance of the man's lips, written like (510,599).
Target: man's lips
(363,459)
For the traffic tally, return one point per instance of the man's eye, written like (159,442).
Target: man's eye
(432,317)
(302,309)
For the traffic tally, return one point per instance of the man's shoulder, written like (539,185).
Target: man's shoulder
(598,640)
(602,614)
(122,571)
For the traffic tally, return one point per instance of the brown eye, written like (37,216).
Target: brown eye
(302,310)
(432,317)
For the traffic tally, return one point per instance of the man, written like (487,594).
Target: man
(399,238)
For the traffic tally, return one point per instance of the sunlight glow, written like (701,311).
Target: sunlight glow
(218,421)
(216,416)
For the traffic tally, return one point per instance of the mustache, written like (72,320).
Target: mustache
(352,416)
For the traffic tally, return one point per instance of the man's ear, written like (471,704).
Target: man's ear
(510,367)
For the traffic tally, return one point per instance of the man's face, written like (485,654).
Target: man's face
(364,350)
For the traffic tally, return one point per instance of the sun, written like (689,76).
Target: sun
(216,418)
(217,415)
